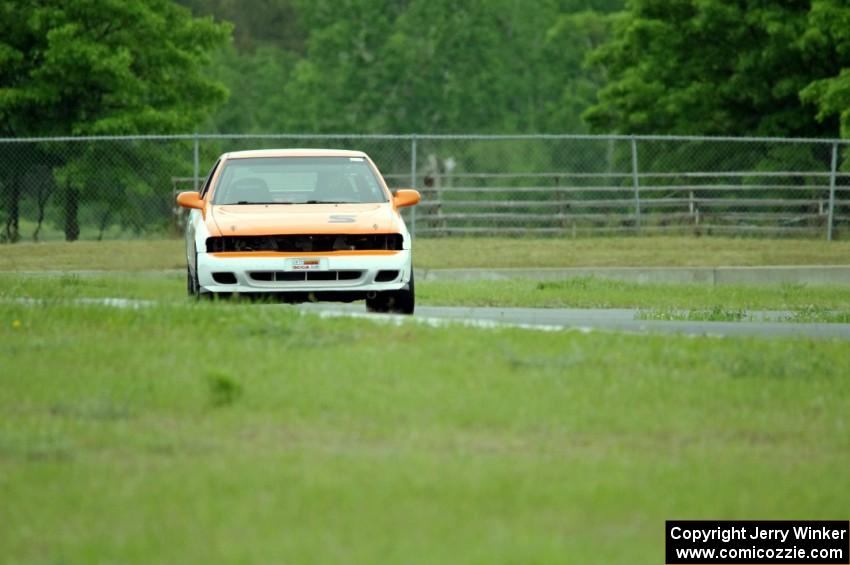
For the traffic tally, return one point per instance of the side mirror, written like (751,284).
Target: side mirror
(406,197)
(190,200)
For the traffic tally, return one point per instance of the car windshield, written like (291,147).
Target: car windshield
(298,180)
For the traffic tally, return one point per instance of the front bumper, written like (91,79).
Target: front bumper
(263,273)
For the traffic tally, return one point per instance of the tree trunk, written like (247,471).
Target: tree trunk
(38,223)
(72,204)
(11,231)
(104,223)
(42,205)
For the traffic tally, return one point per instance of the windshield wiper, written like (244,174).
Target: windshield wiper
(245,202)
(262,203)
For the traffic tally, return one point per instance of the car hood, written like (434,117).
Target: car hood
(275,219)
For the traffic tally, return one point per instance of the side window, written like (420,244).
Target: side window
(209,180)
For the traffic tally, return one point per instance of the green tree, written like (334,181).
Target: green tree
(828,31)
(257,23)
(76,67)
(442,66)
(421,65)
(746,67)
(256,80)
(268,40)
(569,84)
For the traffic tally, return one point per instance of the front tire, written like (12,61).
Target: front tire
(192,286)
(402,301)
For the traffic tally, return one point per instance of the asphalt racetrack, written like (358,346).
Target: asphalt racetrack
(764,323)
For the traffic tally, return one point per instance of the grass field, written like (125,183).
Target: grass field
(717,313)
(466,252)
(193,432)
(589,292)
(828,304)
(188,431)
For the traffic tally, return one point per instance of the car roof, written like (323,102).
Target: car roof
(292,153)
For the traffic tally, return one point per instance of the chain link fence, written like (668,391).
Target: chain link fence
(547,185)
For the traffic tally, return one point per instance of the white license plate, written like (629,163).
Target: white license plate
(307,264)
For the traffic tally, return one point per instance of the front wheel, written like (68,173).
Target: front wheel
(192,286)
(400,301)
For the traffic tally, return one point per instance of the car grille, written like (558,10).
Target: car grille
(298,276)
(306,243)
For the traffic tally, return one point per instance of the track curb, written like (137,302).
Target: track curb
(816,275)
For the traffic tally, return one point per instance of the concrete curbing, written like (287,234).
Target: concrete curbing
(816,275)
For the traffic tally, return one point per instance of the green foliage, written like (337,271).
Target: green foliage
(222,389)
(257,23)
(436,67)
(105,67)
(829,31)
(256,82)
(716,313)
(714,67)
(574,85)
(819,314)
(684,66)
(418,66)
(84,67)
(679,66)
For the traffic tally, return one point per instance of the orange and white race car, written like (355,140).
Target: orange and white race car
(306,224)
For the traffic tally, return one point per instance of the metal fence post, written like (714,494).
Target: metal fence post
(197,163)
(413,183)
(636,183)
(832,172)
